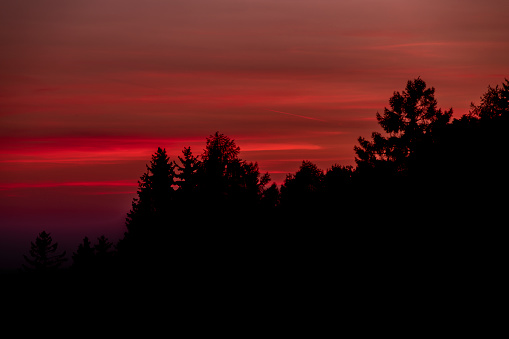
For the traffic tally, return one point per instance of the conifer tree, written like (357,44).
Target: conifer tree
(83,258)
(155,193)
(149,220)
(161,180)
(103,253)
(270,197)
(187,171)
(224,176)
(43,255)
(220,158)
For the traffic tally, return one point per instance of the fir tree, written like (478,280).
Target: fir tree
(83,258)
(225,177)
(43,255)
(150,217)
(155,193)
(270,197)
(103,253)
(187,171)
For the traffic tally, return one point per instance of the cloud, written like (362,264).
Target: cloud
(28,185)
(91,88)
(251,147)
(296,115)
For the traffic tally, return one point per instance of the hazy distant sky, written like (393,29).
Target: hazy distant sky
(90,89)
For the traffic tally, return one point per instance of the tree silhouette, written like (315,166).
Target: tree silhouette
(220,151)
(467,157)
(103,247)
(494,103)
(83,258)
(223,177)
(103,253)
(338,177)
(449,192)
(186,172)
(161,181)
(303,188)
(245,183)
(412,118)
(338,185)
(94,259)
(219,157)
(270,197)
(155,193)
(149,220)
(43,255)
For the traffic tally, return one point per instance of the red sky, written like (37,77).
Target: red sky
(90,89)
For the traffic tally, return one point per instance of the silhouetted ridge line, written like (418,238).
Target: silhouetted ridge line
(427,194)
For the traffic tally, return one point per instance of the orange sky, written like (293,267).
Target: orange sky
(90,89)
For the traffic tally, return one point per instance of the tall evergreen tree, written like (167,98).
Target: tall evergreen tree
(150,217)
(151,209)
(161,181)
(187,171)
(43,255)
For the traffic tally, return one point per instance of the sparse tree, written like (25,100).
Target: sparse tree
(494,103)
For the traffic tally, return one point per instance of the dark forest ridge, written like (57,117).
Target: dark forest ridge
(427,180)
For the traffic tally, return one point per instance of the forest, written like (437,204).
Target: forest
(429,191)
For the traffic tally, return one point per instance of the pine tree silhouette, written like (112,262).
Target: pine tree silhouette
(149,221)
(270,197)
(155,193)
(103,253)
(84,257)
(43,255)
(186,172)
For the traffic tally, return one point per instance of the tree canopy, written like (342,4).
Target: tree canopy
(426,178)
(494,103)
(412,118)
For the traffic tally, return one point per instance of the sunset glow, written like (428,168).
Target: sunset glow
(90,89)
